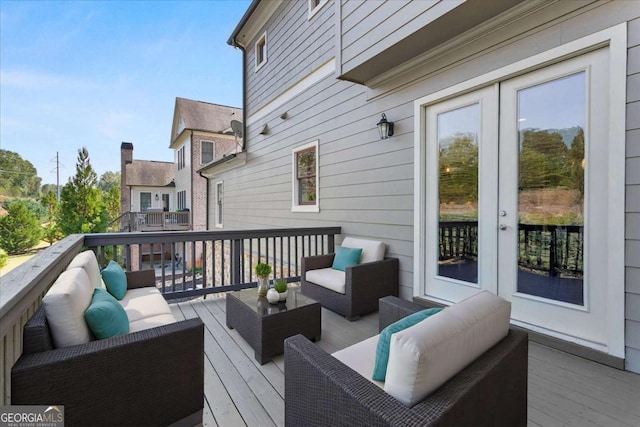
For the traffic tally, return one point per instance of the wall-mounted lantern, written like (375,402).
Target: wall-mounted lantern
(385,127)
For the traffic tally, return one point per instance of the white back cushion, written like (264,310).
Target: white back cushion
(88,261)
(65,304)
(372,250)
(426,355)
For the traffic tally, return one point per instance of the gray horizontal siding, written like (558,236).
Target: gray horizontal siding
(295,47)
(366,185)
(632,257)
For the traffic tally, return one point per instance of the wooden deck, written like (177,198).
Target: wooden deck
(564,390)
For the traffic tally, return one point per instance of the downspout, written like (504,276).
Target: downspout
(207,201)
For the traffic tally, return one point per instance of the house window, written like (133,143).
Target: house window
(315,6)
(305,178)
(181,162)
(206,152)
(219,202)
(261,51)
(145,201)
(182,199)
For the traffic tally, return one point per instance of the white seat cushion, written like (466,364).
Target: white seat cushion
(361,357)
(151,322)
(426,355)
(88,261)
(146,308)
(372,250)
(65,304)
(327,278)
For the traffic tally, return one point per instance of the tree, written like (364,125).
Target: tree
(459,170)
(108,180)
(18,177)
(19,229)
(51,230)
(543,159)
(112,203)
(49,187)
(81,206)
(576,163)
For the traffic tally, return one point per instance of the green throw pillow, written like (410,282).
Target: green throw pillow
(115,279)
(346,257)
(384,341)
(105,316)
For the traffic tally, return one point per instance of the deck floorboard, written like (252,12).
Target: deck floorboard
(564,390)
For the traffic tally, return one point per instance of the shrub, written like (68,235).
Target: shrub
(19,229)
(3,258)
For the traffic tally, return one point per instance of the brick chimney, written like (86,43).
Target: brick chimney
(126,157)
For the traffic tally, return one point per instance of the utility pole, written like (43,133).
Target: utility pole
(58,176)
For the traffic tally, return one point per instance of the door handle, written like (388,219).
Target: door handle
(503,227)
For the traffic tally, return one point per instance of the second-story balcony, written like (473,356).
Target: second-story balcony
(153,220)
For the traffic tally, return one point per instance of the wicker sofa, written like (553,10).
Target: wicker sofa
(364,284)
(151,377)
(321,390)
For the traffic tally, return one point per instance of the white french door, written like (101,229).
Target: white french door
(516,197)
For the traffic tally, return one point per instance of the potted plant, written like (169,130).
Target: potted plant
(263,271)
(281,287)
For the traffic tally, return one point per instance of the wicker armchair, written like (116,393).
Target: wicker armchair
(151,377)
(365,284)
(321,390)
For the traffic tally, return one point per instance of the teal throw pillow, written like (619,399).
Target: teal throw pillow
(384,341)
(346,257)
(105,316)
(115,279)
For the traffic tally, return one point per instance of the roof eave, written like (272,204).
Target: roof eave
(233,38)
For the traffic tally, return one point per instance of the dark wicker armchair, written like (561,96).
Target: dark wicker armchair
(365,284)
(320,390)
(153,377)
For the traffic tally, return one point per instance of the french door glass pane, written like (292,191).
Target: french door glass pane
(458,193)
(551,123)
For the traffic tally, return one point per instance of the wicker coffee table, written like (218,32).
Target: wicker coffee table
(265,326)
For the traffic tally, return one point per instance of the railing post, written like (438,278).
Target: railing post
(236,264)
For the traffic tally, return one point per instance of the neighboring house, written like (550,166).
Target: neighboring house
(145,184)
(513,162)
(201,135)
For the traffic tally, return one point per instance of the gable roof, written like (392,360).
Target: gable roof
(202,116)
(149,173)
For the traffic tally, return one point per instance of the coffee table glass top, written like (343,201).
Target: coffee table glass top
(262,307)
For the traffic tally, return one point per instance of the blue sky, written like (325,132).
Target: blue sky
(96,73)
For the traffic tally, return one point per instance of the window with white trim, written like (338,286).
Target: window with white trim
(261,51)
(305,178)
(206,152)
(219,203)
(315,6)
